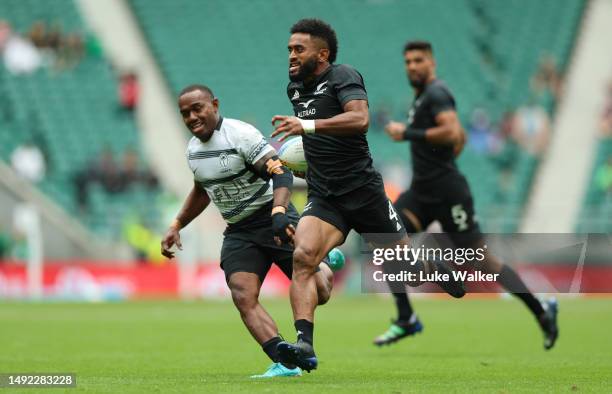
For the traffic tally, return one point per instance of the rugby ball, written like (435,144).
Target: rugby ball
(291,155)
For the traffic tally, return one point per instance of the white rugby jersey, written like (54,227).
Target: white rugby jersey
(221,167)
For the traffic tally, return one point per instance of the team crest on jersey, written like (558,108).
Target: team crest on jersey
(224,161)
(296,95)
(321,88)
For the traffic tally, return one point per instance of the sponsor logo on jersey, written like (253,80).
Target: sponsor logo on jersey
(307,103)
(296,95)
(321,88)
(307,206)
(308,112)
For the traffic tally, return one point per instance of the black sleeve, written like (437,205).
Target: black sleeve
(349,84)
(440,100)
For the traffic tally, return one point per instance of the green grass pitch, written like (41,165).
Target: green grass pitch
(473,345)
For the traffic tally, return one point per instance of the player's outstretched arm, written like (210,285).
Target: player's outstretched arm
(447,132)
(194,204)
(270,167)
(354,120)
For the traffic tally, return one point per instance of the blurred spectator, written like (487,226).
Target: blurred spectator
(603,176)
(70,52)
(128,91)
(547,78)
(106,172)
(143,241)
(20,55)
(63,51)
(38,34)
(605,123)
(503,134)
(130,173)
(531,127)
(103,170)
(506,124)
(29,162)
(480,132)
(112,177)
(5,33)
(129,169)
(54,38)
(505,152)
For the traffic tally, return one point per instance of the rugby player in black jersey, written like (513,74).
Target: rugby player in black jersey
(440,192)
(344,190)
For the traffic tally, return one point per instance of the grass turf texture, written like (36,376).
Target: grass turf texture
(467,346)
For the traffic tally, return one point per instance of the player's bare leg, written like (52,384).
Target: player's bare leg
(245,287)
(314,238)
(325,283)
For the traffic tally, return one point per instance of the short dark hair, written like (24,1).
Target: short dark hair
(195,86)
(418,45)
(318,28)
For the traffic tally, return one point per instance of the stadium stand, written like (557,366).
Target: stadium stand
(241,55)
(72,114)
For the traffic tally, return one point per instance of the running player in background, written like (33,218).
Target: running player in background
(345,192)
(440,192)
(234,166)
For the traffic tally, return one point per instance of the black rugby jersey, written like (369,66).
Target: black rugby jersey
(430,162)
(336,165)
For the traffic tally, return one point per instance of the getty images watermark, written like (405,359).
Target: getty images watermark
(547,263)
(407,257)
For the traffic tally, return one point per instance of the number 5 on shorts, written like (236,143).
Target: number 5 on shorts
(459,217)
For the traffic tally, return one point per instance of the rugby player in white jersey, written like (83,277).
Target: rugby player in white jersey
(234,166)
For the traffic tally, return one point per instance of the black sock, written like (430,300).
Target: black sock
(398,290)
(304,329)
(269,347)
(513,283)
(404,309)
